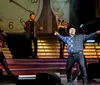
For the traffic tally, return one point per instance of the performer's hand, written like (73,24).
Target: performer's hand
(24,25)
(56,13)
(41,28)
(56,33)
(4,34)
(98,32)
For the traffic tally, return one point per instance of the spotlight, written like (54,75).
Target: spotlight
(81,25)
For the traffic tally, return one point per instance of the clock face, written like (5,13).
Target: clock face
(14,13)
(62,7)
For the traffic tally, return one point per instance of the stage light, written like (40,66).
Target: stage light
(26,77)
(81,25)
(90,41)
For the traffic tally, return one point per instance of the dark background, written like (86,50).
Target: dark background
(81,12)
(84,12)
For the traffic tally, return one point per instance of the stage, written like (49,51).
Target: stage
(30,67)
(63,81)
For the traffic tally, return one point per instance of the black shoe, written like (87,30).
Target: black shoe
(69,83)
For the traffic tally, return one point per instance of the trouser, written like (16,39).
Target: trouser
(62,45)
(30,51)
(72,59)
(35,46)
(34,39)
(4,64)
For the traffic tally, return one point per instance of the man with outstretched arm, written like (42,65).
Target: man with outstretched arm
(75,49)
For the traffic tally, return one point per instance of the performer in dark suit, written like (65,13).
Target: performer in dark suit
(31,34)
(2,57)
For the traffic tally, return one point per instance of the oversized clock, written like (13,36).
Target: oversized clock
(62,7)
(14,13)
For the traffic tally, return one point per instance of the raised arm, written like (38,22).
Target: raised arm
(57,20)
(63,38)
(92,35)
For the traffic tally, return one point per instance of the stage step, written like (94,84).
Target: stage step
(48,47)
(34,66)
(7,52)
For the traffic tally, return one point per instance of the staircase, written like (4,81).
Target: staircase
(34,66)
(48,47)
(7,52)
(91,49)
(48,53)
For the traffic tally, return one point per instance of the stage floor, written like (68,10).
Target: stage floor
(33,66)
(63,80)
(76,82)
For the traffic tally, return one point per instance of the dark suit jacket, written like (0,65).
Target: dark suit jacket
(28,29)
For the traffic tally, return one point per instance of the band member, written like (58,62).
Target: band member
(62,29)
(31,34)
(2,57)
(75,48)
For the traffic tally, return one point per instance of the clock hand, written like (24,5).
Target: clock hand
(20,5)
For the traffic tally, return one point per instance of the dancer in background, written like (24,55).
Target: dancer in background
(2,57)
(31,34)
(62,29)
(75,48)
